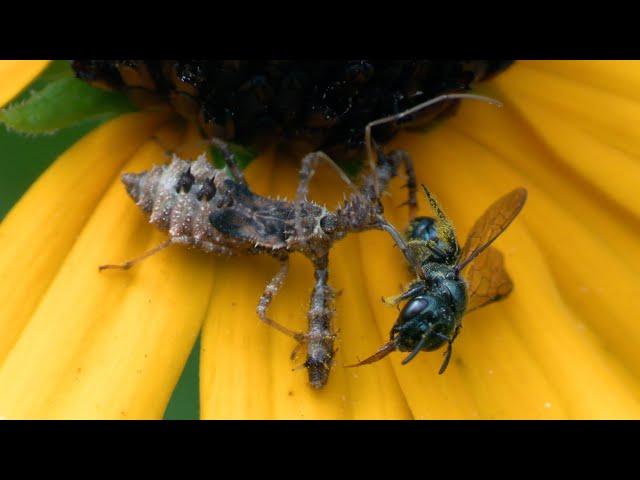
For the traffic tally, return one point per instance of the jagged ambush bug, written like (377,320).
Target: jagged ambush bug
(215,210)
(450,282)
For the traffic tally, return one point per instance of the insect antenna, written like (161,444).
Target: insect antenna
(399,116)
(382,352)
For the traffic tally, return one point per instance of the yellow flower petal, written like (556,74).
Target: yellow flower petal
(518,142)
(491,374)
(467,178)
(79,344)
(38,232)
(234,366)
(245,365)
(15,75)
(592,248)
(621,77)
(582,154)
(111,344)
(604,114)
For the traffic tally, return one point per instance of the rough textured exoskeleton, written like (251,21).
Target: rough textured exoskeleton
(214,210)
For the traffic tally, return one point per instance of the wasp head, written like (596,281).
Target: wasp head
(430,317)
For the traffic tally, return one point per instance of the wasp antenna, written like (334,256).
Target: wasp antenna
(382,352)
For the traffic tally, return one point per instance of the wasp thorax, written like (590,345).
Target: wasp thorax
(422,228)
(425,229)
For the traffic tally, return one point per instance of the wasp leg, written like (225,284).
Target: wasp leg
(448,352)
(414,289)
(447,357)
(130,263)
(230,160)
(320,337)
(270,291)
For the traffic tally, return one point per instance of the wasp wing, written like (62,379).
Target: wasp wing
(487,280)
(491,224)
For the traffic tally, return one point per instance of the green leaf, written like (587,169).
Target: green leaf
(63,103)
(56,70)
(185,400)
(23,159)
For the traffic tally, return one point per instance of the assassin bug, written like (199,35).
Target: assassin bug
(214,210)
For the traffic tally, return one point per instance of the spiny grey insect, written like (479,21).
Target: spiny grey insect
(215,210)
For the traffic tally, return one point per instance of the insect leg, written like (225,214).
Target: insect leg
(320,337)
(270,291)
(414,289)
(447,357)
(402,245)
(385,169)
(307,170)
(230,160)
(368,139)
(129,263)
(400,156)
(447,354)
